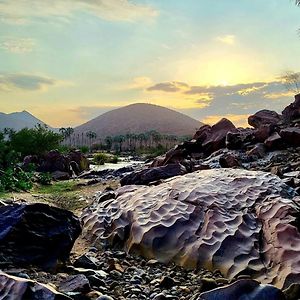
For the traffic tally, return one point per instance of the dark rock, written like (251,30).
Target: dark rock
(292,292)
(208,284)
(274,142)
(82,163)
(264,117)
(75,283)
(292,111)
(202,134)
(107,196)
(59,175)
(291,135)
(229,160)
(263,132)
(54,161)
(238,140)
(167,282)
(244,289)
(15,288)
(217,137)
(153,174)
(86,262)
(36,234)
(259,151)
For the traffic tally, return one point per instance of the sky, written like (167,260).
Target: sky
(67,61)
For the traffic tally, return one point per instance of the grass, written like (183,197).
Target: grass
(57,187)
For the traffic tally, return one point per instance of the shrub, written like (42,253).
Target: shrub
(114,159)
(15,179)
(84,149)
(44,178)
(100,158)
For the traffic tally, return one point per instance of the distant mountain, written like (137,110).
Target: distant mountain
(18,120)
(140,118)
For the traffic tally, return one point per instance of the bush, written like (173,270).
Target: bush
(15,180)
(100,158)
(44,178)
(84,149)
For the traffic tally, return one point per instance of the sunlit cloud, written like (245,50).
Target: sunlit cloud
(228,39)
(111,10)
(23,45)
(173,86)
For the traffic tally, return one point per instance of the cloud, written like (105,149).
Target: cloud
(228,39)
(26,82)
(111,10)
(173,86)
(232,101)
(23,45)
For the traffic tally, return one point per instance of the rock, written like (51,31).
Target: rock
(292,111)
(153,174)
(15,288)
(229,160)
(75,283)
(292,292)
(259,151)
(238,140)
(82,163)
(232,220)
(167,282)
(217,137)
(36,234)
(54,161)
(202,134)
(291,135)
(244,289)
(263,132)
(59,175)
(86,262)
(274,142)
(264,117)
(208,284)
(105,297)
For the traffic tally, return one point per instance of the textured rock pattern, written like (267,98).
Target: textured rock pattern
(36,234)
(15,288)
(244,289)
(236,221)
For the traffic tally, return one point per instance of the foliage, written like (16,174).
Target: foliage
(34,141)
(152,152)
(44,178)
(15,179)
(102,158)
(84,149)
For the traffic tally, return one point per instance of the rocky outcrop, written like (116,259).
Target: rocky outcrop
(16,288)
(55,162)
(264,117)
(291,136)
(36,234)
(292,112)
(153,174)
(234,221)
(244,289)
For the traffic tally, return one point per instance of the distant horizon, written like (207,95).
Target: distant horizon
(69,61)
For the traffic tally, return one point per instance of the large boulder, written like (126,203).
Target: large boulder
(231,220)
(216,138)
(264,117)
(15,288)
(291,135)
(292,111)
(153,174)
(36,234)
(245,289)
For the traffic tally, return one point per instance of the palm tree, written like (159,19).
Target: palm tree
(108,141)
(91,135)
(68,132)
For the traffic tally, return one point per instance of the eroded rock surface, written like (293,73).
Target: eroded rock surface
(15,288)
(235,221)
